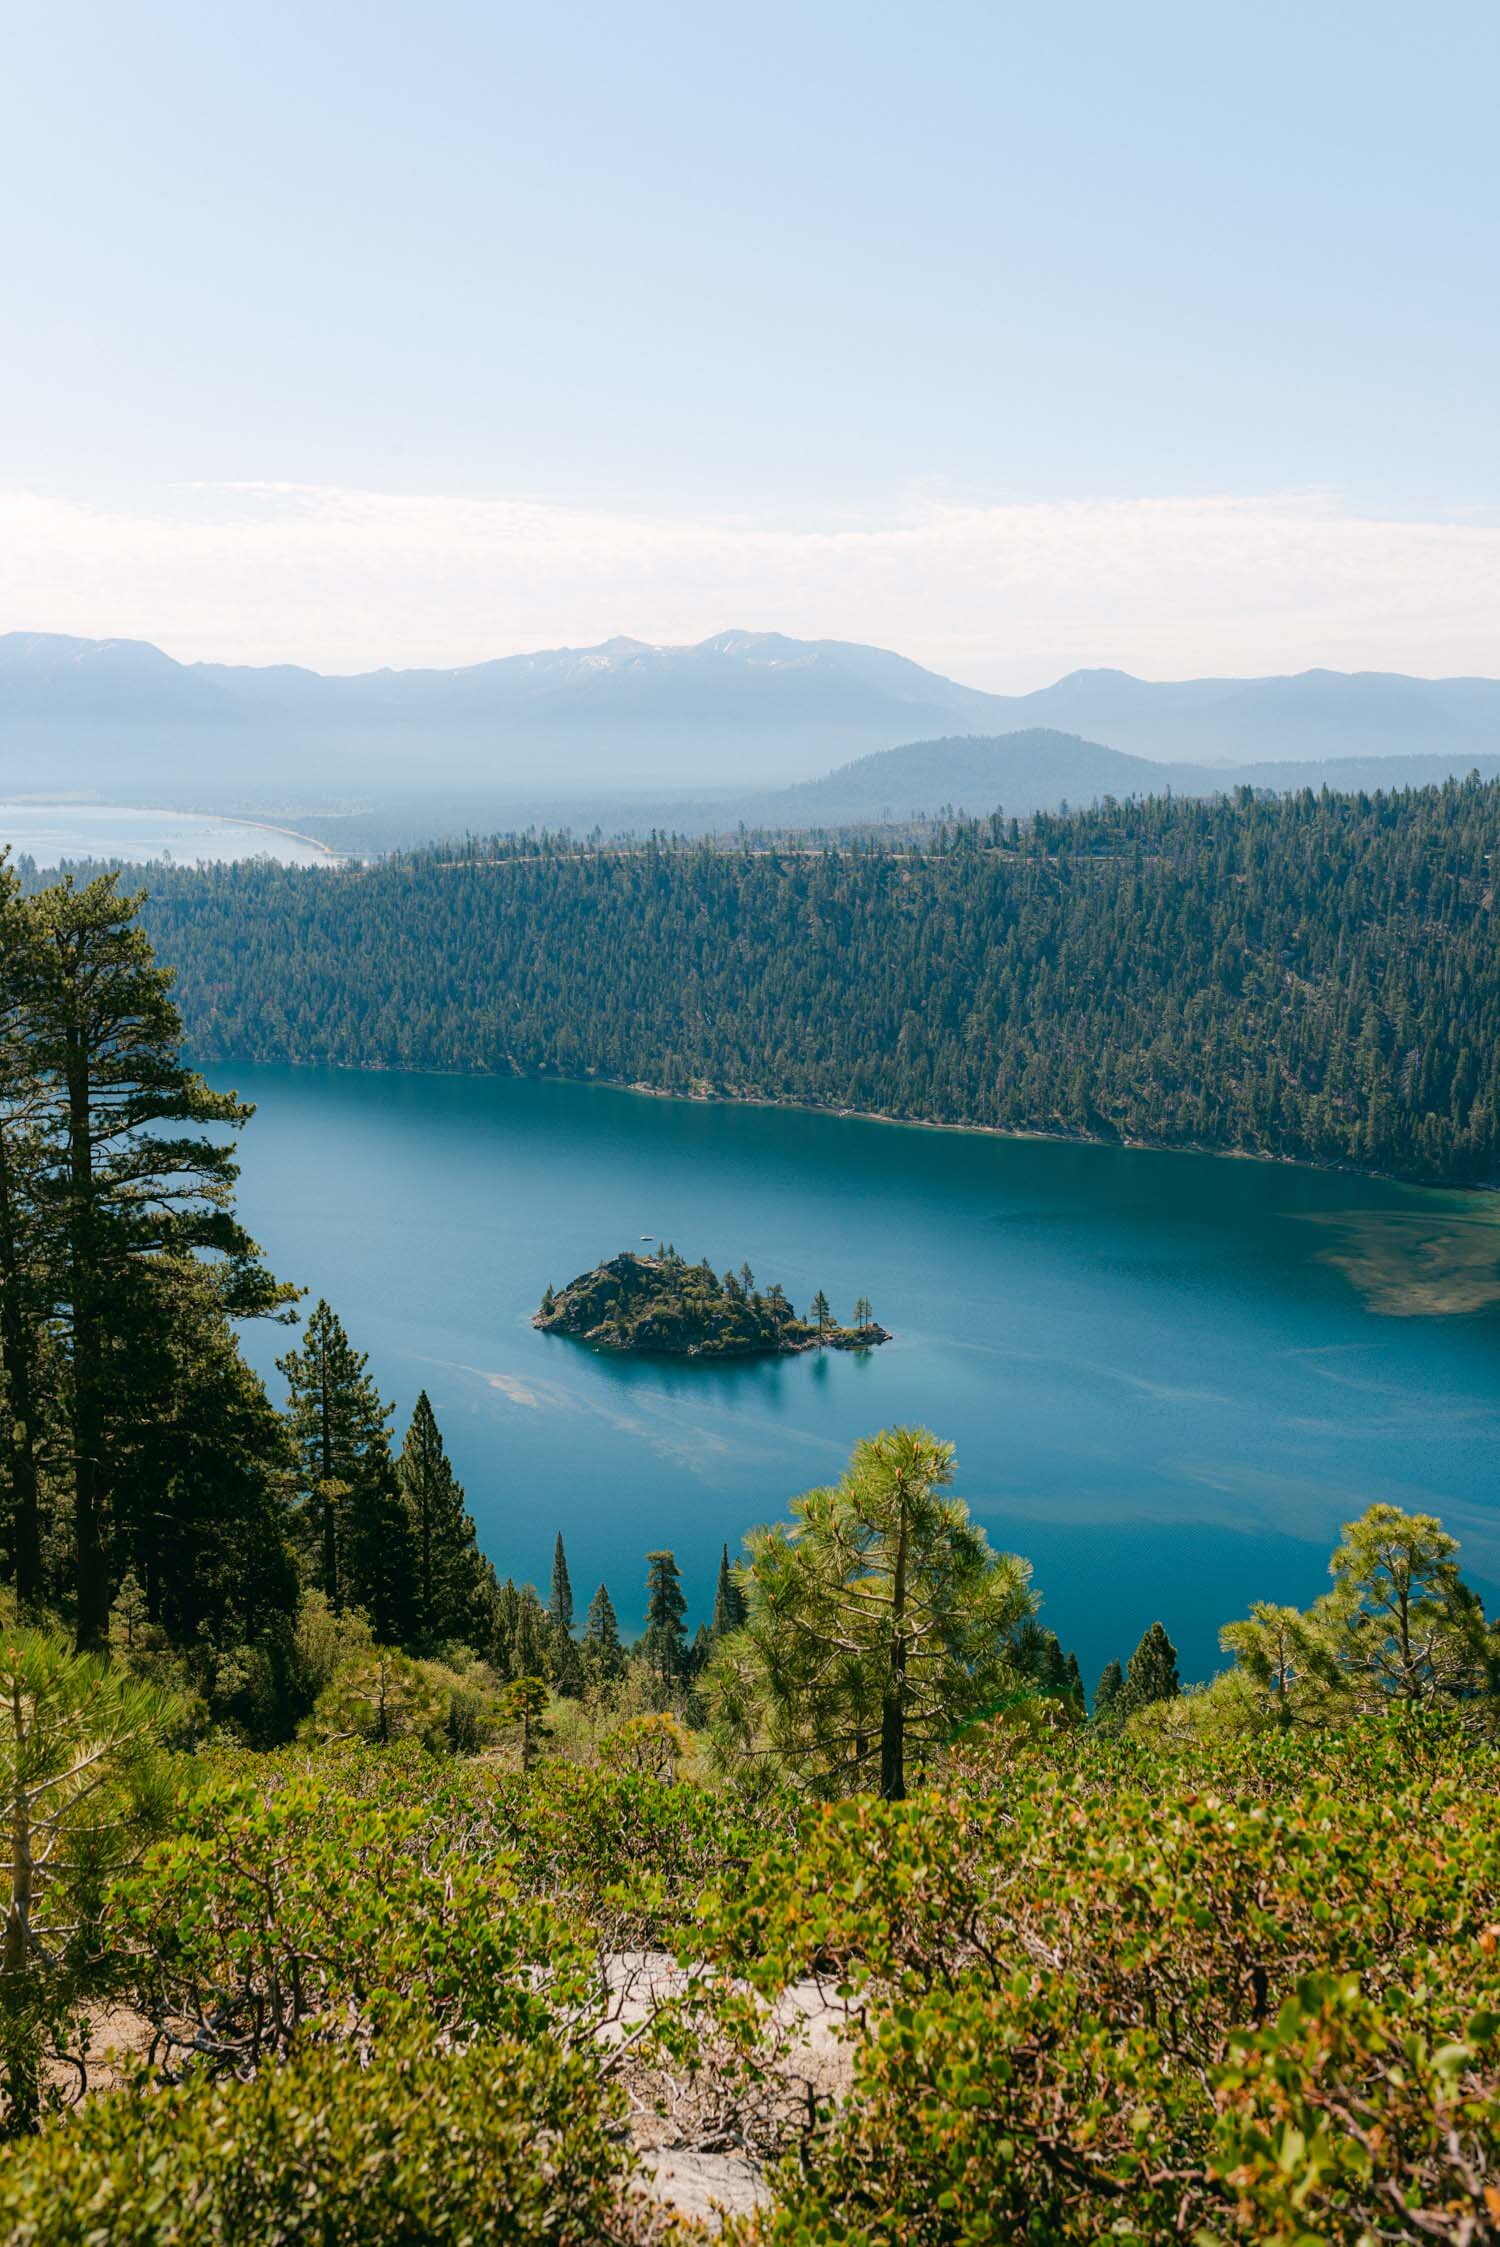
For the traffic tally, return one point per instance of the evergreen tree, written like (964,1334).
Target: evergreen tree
(566,1669)
(1073,1685)
(821,1314)
(338,1426)
(1405,1626)
(560,1606)
(29,1255)
(601,1650)
(864,1312)
(143,1220)
(1107,1693)
(202,1518)
(729,1600)
(448,1566)
(380,1557)
(663,1643)
(1151,1673)
(877,1621)
(520,1643)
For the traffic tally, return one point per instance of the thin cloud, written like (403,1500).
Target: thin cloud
(1006,597)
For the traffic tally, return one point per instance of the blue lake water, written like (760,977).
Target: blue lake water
(1169,1377)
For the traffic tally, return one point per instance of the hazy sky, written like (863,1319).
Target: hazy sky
(1014,337)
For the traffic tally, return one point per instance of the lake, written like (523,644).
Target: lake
(1169,1377)
(123,834)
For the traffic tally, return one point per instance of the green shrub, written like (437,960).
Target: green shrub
(1100,1995)
(502,2142)
(283,1911)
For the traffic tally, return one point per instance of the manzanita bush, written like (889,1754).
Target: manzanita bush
(1092,1987)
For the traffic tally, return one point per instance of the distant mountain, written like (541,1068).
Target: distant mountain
(1312,714)
(744,709)
(116,713)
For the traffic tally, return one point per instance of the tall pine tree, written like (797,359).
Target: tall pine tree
(602,1653)
(142,1218)
(567,1671)
(349,1500)
(663,1643)
(729,1600)
(447,1567)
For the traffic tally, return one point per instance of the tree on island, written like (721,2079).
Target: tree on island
(877,1621)
(864,1312)
(821,1314)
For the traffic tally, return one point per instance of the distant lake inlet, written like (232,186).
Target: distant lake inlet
(123,834)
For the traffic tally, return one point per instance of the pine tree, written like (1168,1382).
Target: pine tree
(1151,1674)
(29,1258)
(729,1600)
(144,1221)
(821,1314)
(877,1621)
(1107,1693)
(520,1643)
(864,1312)
(448,1566)
(601,1650)
(1074,1684)
(338,1425)
(560,1606)
(663,1643)
(566,1669)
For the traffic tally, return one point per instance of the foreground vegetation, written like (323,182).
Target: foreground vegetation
(1308,976)
(428,1915)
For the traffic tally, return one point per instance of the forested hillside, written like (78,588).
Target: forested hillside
(1312,976)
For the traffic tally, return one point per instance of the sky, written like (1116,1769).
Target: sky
(1015,337)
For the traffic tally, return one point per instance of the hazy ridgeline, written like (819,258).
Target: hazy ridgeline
(1309,976)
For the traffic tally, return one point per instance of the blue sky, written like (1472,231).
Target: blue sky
(660,303)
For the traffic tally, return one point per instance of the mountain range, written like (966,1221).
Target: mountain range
(741,712)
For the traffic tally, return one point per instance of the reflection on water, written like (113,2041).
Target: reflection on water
(1169,1379)
(1435,1262)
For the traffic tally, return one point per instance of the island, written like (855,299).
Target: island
(665,1305)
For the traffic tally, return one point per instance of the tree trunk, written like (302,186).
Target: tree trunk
(893,1702)
(16,1350)
(89,1488)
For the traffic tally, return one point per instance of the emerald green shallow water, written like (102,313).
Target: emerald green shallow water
(1169,1378)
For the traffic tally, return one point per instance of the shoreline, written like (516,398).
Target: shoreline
(643,1091)
(176,811)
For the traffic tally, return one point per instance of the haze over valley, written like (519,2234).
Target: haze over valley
(752,728)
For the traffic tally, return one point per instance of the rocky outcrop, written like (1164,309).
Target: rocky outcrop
(665,1305)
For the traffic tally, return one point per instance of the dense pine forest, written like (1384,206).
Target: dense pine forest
(353,1893)
(1312,976)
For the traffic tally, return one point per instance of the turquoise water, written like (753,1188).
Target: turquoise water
(1169,1378)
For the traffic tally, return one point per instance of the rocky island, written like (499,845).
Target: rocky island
(662,1303)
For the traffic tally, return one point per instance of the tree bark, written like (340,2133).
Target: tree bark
(90,1493)
(16,1350)
(893,1702)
